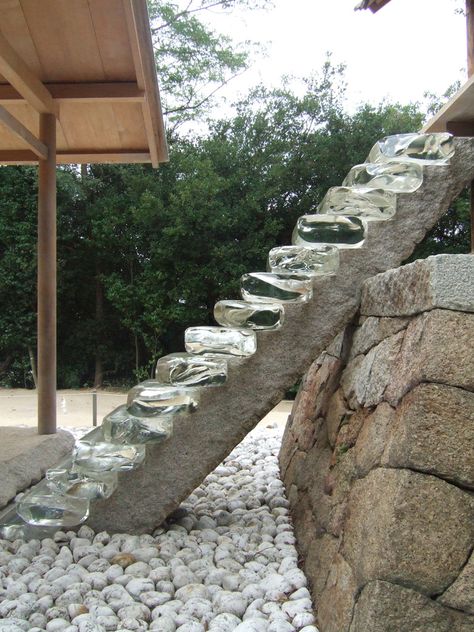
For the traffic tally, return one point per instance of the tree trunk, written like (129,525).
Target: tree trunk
(4,364)
(33,366)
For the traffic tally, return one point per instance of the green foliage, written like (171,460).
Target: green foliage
(143,253)
(193,61)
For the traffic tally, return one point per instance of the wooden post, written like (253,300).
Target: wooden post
(47,279)
(470,72)
(470,36)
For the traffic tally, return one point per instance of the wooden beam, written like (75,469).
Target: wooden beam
(470,36)
(18,74)
(47,279)
(17,157)
(101,156)
(143,58)
(460,128)
(120,92)
(459,108)
(24,134)
(25,157)
(377,4)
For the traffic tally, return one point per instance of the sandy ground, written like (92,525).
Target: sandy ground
(74,408)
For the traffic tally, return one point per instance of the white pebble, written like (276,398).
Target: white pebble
(57,625)
(163,624)
(232,602)
(191,626)
(183,576)
(252,625)
(303,619)
(292,608)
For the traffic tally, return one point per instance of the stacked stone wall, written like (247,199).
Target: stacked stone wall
(378,457)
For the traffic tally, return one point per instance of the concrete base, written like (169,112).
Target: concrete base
(25,456)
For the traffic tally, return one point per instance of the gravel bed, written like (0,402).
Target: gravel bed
(225,561)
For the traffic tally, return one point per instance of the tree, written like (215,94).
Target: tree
(193,62)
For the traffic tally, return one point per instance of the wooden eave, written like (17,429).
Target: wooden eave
(457,115)
(373,5)
(89,62)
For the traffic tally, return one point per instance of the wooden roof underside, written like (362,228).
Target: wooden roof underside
(91,63)
(373,5)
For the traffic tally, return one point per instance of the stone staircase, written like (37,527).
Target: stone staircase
(176,462)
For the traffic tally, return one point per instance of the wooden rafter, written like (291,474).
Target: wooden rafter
(143,59)
(17,73)
(24,134)
(28,157)
(113,92)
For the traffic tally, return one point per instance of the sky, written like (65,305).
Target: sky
(407,48)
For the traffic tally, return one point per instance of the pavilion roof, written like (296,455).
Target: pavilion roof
(91,63)
(373,5)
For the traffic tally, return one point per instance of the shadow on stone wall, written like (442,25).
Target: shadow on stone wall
(378,458)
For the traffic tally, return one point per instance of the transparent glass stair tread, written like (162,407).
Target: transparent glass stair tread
(251,315)
(187,369)
(220,340)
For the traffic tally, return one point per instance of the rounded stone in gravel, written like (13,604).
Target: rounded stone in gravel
(13,625)
(69,597)
(182,576)
(225,622)
(86,532)
(101,565)
(145,553)
(122,559)
(280,625)
(153,598)
(309,628)
(56,625)
(101,538)
(297,578)
(139,585)
(292,608)
(163,624)
(18,565)
(138,569)
(75,609)
(232,602)
(113,572)
(15,589)
(303,619)
(37,620)
(135,611)
(191,626)
(197,608)
(192,591)
(252,625)
(133,625)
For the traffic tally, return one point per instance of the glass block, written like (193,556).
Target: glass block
(67,478)
(396,175)
(373,204)
(427,148)
(342,231)
(267,287)
(301,260)
(220,340)
(120,426)
(12,526)
(186,369)
(93,453)
(42,507)
(152,398)
(250,315)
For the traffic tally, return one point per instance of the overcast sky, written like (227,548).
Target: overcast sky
(407,48)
